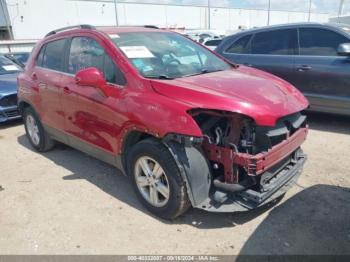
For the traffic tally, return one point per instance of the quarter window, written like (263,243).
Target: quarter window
(86,52)
(278,42)
(320,42)
(53,57)
(241,46)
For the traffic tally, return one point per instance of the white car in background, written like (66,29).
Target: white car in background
(211,43)
(201,36)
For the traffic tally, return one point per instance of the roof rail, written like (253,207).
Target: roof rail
(145,26)
(151,26)
(70,27)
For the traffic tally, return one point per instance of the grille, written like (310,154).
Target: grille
(12,113)
(10,100)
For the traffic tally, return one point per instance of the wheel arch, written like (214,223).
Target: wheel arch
(129,140)
(22,104)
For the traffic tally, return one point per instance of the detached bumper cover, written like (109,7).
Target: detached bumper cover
(250,199)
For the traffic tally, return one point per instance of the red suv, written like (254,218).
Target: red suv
(186,126)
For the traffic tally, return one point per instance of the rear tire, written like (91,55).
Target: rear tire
(157,180)
(37,136)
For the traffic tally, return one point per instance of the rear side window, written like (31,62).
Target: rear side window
(241,46)
(86,52)
(320,42)
(278,42)
(54,55)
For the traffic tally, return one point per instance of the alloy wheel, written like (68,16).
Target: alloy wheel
(152,181)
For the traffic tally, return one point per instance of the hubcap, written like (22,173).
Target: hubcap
(33,129)
(152,181)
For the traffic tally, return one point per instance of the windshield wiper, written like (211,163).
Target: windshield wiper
(204,71)
(160,77)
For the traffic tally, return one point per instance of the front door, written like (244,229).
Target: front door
(93,120)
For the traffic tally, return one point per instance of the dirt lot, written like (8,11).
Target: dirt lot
(65,202)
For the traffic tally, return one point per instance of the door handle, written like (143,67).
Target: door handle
(66,90)
(34,76)
(304,68)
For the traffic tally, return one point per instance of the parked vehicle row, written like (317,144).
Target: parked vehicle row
(187,127)
(315,58)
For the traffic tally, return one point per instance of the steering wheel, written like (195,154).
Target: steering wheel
(171,61)
(169,65)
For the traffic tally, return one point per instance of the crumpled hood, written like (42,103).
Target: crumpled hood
(8,83)
(248,91)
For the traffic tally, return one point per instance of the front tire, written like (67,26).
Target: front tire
(35,132)
(157,180)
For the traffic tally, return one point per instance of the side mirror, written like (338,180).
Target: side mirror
(90,77)
(344,49)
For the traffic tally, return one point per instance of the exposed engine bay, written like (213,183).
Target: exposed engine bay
(243,155)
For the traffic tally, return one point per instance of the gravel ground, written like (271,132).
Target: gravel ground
(65,202)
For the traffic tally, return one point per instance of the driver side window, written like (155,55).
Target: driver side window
(86,52)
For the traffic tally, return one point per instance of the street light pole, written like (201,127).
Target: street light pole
(116,12)
(309,10)
(209,26)
(268,13)
(341,5)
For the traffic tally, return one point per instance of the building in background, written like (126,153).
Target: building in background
(32,19)
(5,24)
(340,19)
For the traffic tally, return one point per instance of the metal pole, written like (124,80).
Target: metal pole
(116,13)
(309,10)
(209,26)
(268,13)
(341,5)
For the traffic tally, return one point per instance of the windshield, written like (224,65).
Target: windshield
(166,55)
(7,66)
(21,57)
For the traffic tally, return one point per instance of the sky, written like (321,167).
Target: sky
(320,6)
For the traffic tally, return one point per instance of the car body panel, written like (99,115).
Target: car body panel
(251,93)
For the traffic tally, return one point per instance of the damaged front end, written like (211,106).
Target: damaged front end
(238,165)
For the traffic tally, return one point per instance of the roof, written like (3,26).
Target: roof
(104,29)
(126,29)
(284,25)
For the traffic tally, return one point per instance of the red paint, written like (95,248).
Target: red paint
(103,114)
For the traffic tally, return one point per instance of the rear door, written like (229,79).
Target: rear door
(271,51)
(322,75)
(47,76)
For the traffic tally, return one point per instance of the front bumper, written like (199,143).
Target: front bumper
(249,199)
(9,113)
